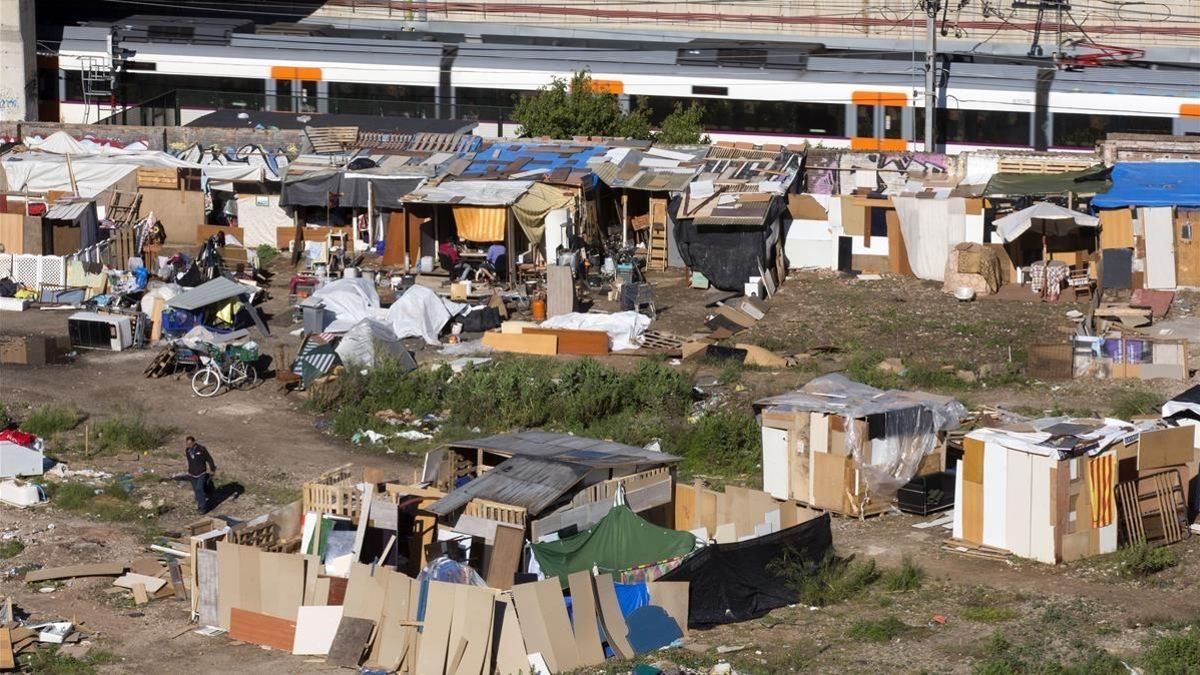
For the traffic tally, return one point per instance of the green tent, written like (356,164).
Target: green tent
(620,541)
(1038,184)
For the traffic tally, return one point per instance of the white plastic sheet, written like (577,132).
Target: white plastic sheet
(369,339)
(422,313)
(350,301)
(624,329)
(931,227)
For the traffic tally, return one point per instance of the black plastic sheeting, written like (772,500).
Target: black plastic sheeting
(727,255)
(733,582)
(314,189)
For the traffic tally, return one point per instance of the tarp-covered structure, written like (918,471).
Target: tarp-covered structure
(479,207)
(620,541)
(736,582)
(731,237)
(419,312)
(1093,180)
(1044,218)
(350,189)
(1152,184)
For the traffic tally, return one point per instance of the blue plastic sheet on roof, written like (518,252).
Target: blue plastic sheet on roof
(1152,184)
(501,155)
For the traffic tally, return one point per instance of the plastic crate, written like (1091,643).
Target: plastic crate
(927,494)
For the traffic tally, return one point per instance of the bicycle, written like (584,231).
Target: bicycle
(232,368)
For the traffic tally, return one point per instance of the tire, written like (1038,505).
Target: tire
(249,378)
(206,382)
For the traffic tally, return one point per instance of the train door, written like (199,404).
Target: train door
(292,89)
(879,121)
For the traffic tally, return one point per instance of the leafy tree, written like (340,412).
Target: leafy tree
(683,126)
(566,109)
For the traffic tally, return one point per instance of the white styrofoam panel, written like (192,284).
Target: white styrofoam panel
(995,491)
(1041,532)
(957,530)
(1017,504)
(775,462)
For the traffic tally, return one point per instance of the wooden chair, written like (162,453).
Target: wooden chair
(1080,280)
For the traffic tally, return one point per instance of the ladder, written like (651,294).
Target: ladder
(657,261)
(98,86)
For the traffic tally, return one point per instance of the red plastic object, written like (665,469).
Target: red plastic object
(19,437)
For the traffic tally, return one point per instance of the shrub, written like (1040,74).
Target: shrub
(1130,404)
(266,253)
(1173,655)
(10,548)
(1001,657)
(110,503)
(725,442)
(48,421)
(129,433)
(1142,560)
(882,630)
(907,578)
(988,613)
(828,582)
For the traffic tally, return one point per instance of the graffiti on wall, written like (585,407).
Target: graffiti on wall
(887,172)
(821,175)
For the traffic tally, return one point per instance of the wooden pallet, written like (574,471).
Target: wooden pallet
(163,364)
(975,550)
(659,340)
(1153,509)
(158,178)
(331,140)
(262,535)
(1044,164)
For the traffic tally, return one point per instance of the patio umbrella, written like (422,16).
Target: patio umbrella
(1044,217)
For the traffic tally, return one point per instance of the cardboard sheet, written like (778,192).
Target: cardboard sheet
(611,618)
(395,635)
(673,597)
(545,624)
(315,630)
(585,615)
(1166,447)
(435,636)
(511,655)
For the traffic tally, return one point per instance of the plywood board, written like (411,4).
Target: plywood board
(673,597)
(320,591)
(775,458)
(76,571)
(829,481)
(972,509)
(545,623)
(151,584)
(560,291)
(365,593)
(1166,447)
(1159,236)
(394,632)
(435,634)
(1116,228)
(611,618)
(249,573)
(7,660)
(281,583)
(505,556)
(315,629)
(973,460)
(995,489)
(206,587)
(229,592)
(1042,520)
(585,616)
(261,629)
(540,345)
(1016,504)
(511,655)
(349,642)
(577,342)
(474,625)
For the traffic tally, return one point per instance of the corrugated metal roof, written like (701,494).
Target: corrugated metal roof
(567,448)
(208,293)
(533,483)
(68,210)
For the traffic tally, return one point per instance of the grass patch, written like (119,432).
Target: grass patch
(1130,404)
(908,577)
(1173,655)
(129,433)
(110,503)
(988,613)
(1142,560)
(878,630)
(266,253)
(47,660)
(828,582)
(10,548)
(50,420)
(1002,657)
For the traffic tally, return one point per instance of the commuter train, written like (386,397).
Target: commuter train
(762,92)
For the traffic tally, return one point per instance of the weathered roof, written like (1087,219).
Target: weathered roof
(470,192)
(69,209)
(550,162)
(534,483)
(208,293)
(420,142)
(567,448)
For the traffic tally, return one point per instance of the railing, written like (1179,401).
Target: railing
(166,109)
(606,490)
(121,244)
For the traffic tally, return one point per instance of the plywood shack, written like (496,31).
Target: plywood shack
(1043,490)
(180,211)
(847,447)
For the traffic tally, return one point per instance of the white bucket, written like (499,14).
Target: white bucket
(350,273)
(426,264)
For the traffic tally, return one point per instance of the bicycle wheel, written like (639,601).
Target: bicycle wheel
(247,377)
(206,382)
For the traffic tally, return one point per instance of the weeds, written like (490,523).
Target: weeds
(10,548)
(1130,404)
(50,420)
(988,613)
(50,662)
(908,577)
(129,433)
(828,582)
(1002,657)
(266,253)
(881,630)
(110,503)
(1173,655)
(1142,560)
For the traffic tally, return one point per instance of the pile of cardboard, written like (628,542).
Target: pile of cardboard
(21,638)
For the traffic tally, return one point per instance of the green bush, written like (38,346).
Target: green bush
(266,253)
(723,442)
(828,582)
(47,661)
(1130,404)
(10,548)
(1173,655)
(1142,560)
(1001,657)
(129,433)
(908,577)
(109,503)
(881,630)
(50,420)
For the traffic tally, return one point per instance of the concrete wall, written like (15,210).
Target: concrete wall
(161,138)
(18,60)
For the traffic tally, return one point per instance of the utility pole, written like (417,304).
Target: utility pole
(931,8)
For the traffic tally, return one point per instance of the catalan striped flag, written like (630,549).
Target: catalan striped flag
(1101,472)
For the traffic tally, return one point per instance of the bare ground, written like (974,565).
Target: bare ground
(263,440)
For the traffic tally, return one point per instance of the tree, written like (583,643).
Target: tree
(566,109)
(683,126)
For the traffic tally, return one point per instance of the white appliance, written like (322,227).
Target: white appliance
(91,330)
(18,460)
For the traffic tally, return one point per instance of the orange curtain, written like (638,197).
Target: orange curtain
(1101,479)
(480,223)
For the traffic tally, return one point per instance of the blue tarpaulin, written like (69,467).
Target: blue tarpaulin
(1152,184)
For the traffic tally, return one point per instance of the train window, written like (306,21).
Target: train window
(777,117)
(486,104)
(983,127)
(865,120)
(381,99)
(698,90)
(1075,130)
(201,91)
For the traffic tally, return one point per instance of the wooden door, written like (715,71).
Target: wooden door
(775,462)
(1187,247)
(1160,247)
(897,253)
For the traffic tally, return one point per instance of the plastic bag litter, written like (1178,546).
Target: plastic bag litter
(449,571)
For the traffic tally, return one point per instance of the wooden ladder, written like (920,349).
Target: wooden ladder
(658,235)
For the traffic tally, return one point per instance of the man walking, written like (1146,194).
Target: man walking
(200,469)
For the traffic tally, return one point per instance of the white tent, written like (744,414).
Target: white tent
(1049,219)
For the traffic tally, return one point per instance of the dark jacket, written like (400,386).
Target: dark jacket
(199,461)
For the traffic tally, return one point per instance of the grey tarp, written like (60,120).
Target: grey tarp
(314,188)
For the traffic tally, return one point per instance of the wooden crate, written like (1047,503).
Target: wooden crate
(333,493)
(158,178)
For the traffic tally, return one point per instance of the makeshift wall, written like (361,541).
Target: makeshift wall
(809,241)
(481,223)
(727,255)
(931,227)
(736,514)
(1159,231)
(179,211)
(34,270)
(12,232)
(261,216)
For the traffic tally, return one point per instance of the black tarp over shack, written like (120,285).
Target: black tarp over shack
(738,582)
(728,244)
(313,188)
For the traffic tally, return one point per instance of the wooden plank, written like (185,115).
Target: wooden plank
(320,594)
(76,571)
(229,591)
(261,629)
(540,345)
(829,481)
(365,593)
(282,583)
(151,584)
(973,460)
(511,656)
(578,342)
(316,628)
(587,628)
(390,647)
(505,558)
(7,660)
(474,625)
(1116,228)
(312,565)
(545,625)
(673,597)
(206,587)
(972,509)
(139,594)
(435,634)
(611,618)
(349,642)
(897,253)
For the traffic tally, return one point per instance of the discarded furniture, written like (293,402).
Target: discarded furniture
(1153,509)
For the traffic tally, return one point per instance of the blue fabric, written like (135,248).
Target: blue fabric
(651,627)
(1152,184)
(632,596)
